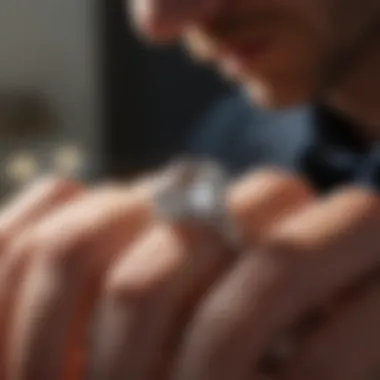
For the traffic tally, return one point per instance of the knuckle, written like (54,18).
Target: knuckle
(19,250)
(96,224)
(38,245)
(57,189)
(119,293)
(323,225)
(293,189)
(356,203)
(66,252)
(151,266)
(33,203)
(269,194)
(27,242)
(267,182)
(122,291)
(58,248)
(122,288)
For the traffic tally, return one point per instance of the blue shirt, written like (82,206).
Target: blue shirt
(308,140)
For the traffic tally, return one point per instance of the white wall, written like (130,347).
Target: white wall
(52,46)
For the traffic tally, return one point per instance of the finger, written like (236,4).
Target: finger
(24,210)
(308,258)
(35,201)
(153,289)
(346,347)
(70,250)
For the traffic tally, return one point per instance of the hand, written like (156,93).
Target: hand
(64,245)
(173,304)
(223,315)
(57,240)
(322,259)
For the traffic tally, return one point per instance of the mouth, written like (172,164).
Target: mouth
(233,54)
(235,48)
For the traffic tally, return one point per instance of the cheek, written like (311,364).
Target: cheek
(311,32)
(313,17)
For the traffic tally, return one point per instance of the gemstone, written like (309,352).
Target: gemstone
(193,191)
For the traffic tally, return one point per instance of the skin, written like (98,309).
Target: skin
(176,303)
(302,49)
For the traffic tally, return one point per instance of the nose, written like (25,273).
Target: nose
(164,20)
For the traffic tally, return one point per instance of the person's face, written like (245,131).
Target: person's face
(283,50)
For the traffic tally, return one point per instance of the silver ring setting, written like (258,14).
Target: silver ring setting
(193,193)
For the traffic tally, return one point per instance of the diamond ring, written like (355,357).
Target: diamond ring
(193,193)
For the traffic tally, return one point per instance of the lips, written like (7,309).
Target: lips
(232,42)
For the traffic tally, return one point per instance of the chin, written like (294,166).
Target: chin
(275,97)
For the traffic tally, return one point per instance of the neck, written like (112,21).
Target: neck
(357,95)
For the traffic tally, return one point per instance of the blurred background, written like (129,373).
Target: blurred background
(81,96)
